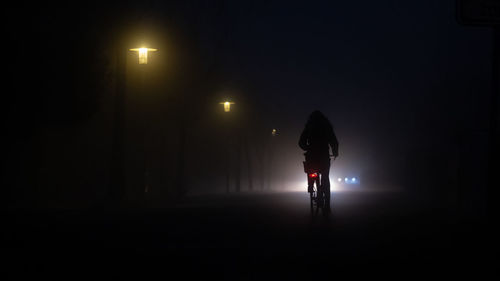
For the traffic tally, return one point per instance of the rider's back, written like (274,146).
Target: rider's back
(316,138)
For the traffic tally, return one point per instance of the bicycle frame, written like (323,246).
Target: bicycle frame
(316,192)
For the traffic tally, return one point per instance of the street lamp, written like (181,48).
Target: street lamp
(227,105)
(117,182)
(143,54)
(227,108)
(143,59)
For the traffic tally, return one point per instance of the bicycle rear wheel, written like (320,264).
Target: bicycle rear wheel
(315,196)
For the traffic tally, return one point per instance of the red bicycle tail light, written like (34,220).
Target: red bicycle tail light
(313,175)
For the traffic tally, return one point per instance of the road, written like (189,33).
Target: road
(250,236)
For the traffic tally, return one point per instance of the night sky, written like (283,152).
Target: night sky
(389,75)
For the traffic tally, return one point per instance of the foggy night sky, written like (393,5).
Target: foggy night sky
(389,74)
(379,65)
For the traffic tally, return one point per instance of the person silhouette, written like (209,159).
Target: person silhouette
(316,139)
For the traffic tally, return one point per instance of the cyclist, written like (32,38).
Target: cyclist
(316,139)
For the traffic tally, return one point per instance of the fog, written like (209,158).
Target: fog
(407,94)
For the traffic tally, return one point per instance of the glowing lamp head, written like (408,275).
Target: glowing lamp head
(274,132)
(227,105)
(143,54)
(339,179)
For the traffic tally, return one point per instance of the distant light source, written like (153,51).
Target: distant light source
(143,54)
(353,179)
(227,106)
(274,132)
(346,179)
(313,175)
(339,179)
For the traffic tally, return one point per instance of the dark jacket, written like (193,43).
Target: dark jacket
(317,138)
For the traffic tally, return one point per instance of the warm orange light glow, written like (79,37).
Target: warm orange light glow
(227,106)
(143,54)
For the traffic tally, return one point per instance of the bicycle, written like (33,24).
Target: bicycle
(317,194)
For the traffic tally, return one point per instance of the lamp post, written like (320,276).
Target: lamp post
(227,108)
(117,183)
(271,152)
(143,60)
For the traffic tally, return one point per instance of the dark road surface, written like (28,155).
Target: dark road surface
(250,237)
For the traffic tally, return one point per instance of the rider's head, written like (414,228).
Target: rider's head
(316,116)
(317,120)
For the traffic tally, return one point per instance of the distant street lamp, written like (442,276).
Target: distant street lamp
(270,155)
(143,59)
(227,106)
(143,54)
